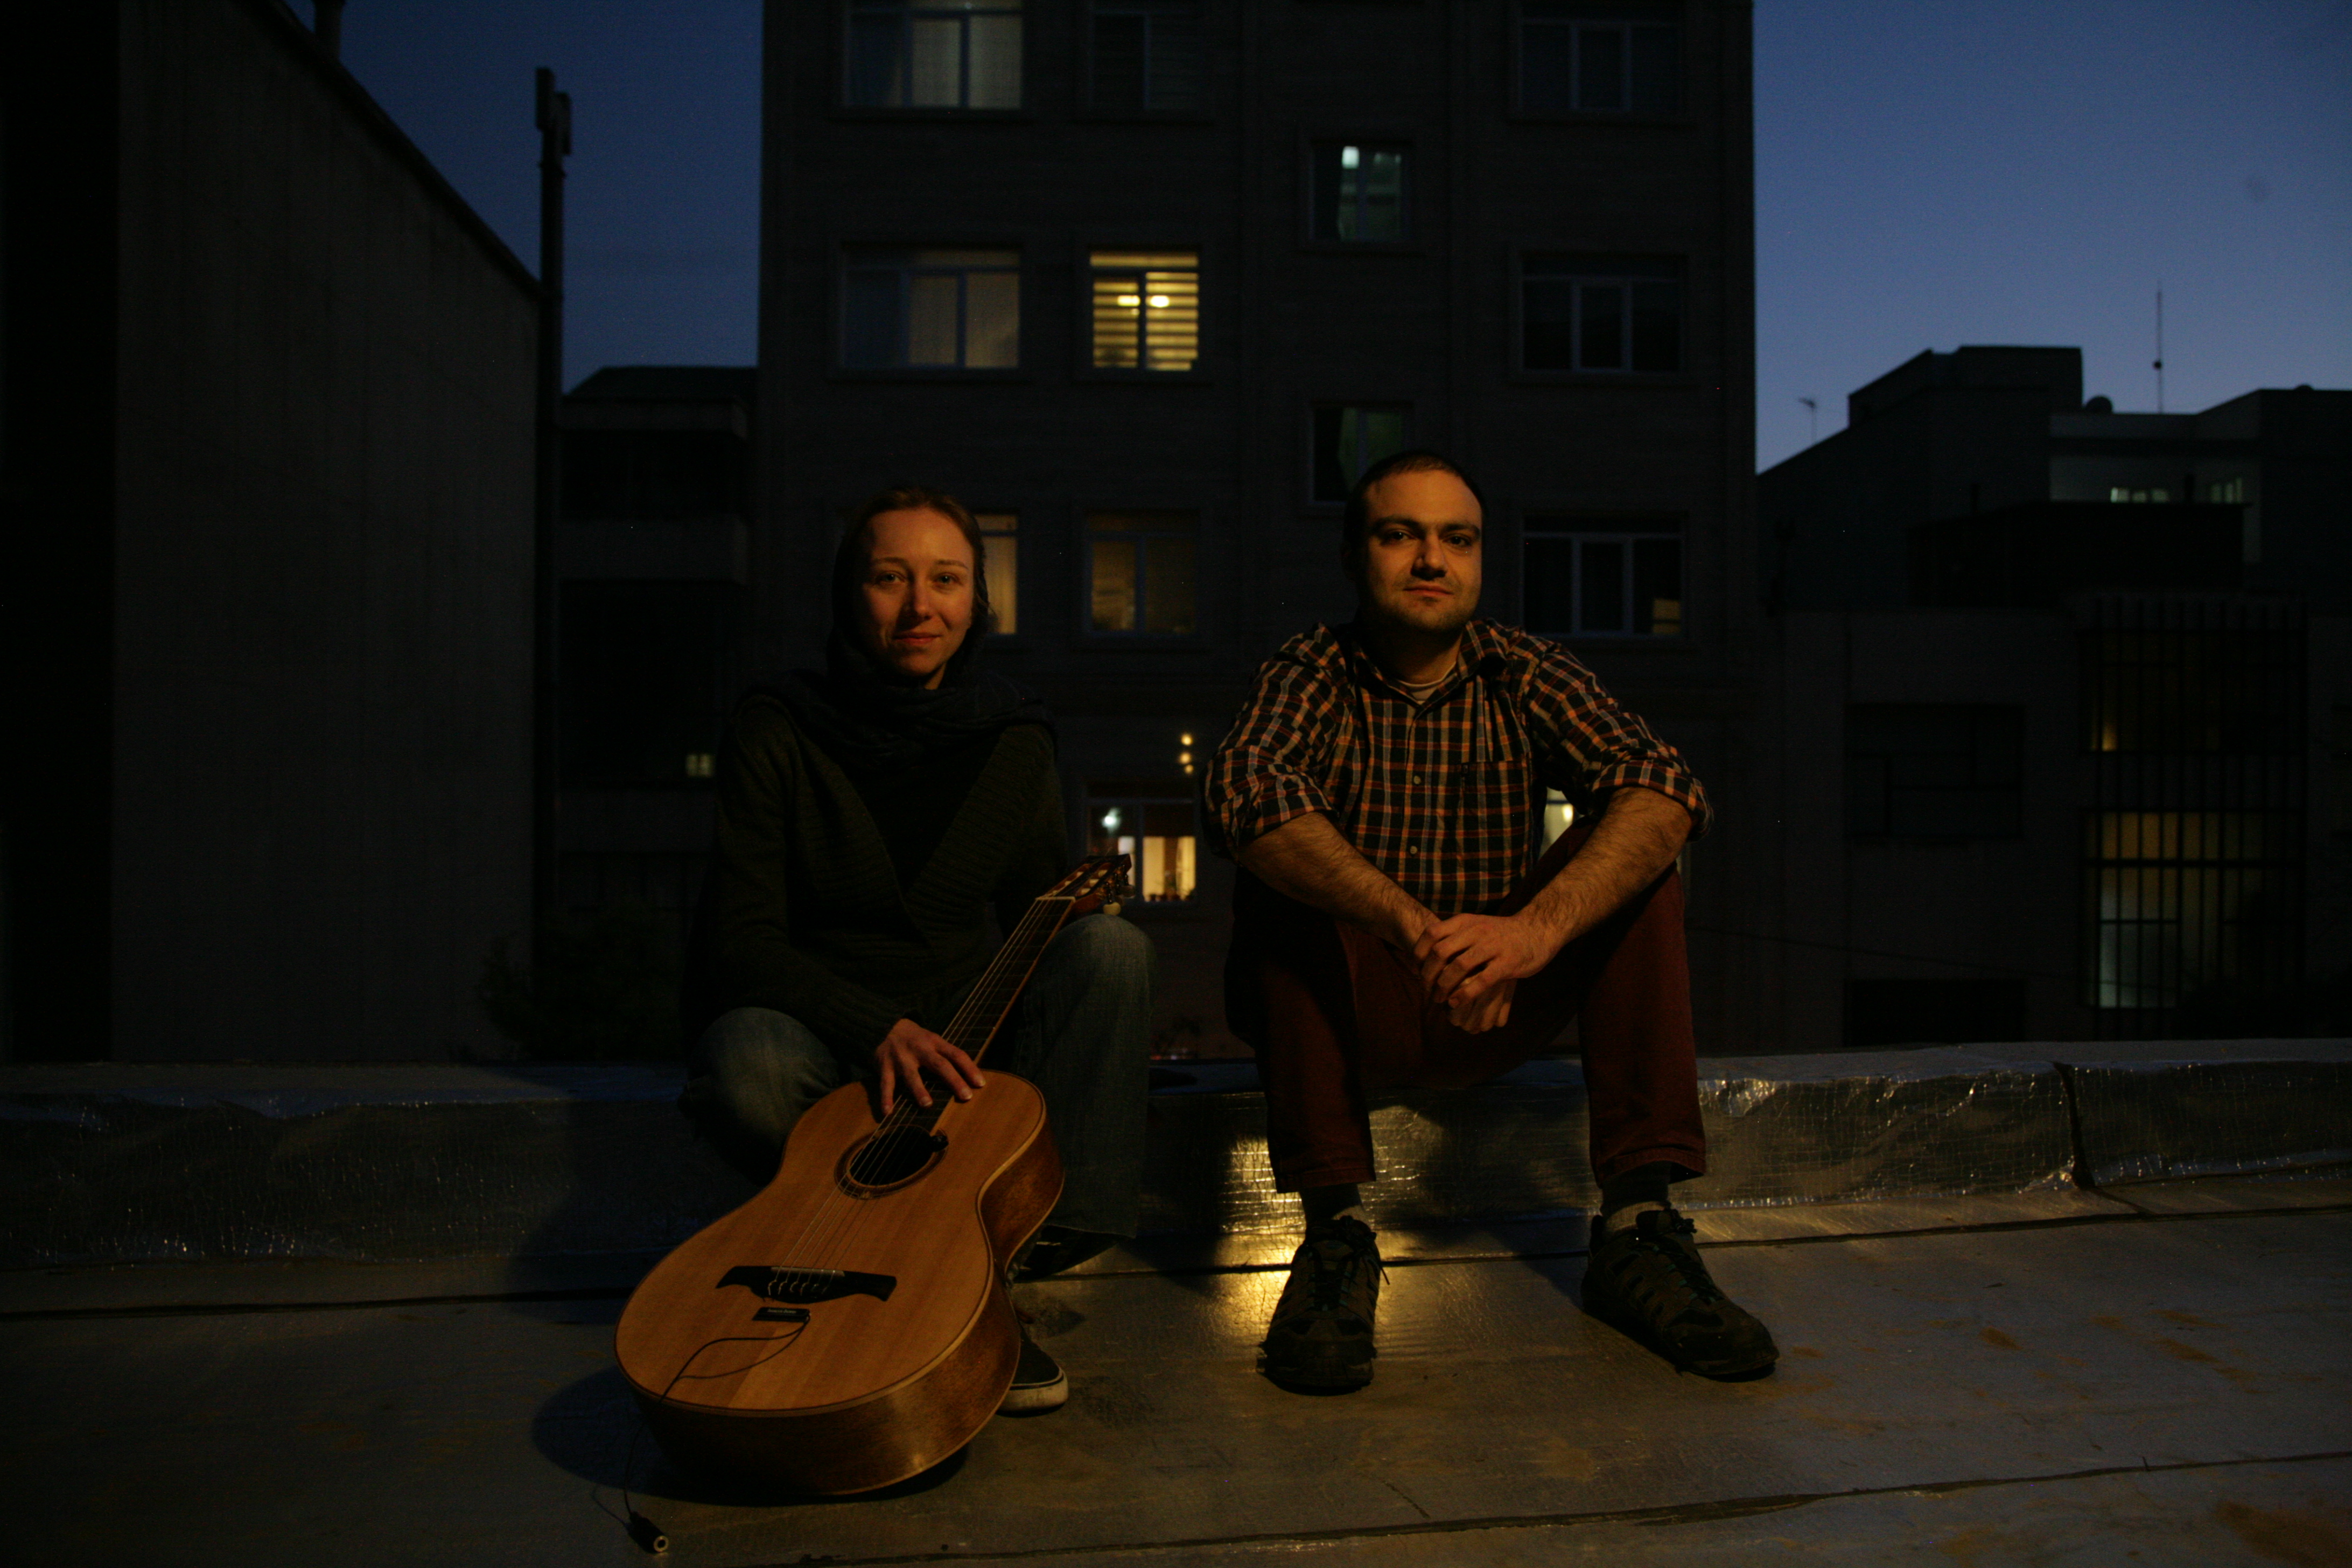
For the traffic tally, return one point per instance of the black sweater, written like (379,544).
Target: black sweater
(803,911)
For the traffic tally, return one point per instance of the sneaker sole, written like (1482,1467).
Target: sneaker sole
(1035,1399)
(1324,1373)
(1750,1366)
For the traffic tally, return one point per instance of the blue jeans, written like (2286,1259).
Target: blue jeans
(1081,1033)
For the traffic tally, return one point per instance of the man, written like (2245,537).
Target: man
(867,817)
(1394,926)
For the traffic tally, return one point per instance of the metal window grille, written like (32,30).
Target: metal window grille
(2194,722)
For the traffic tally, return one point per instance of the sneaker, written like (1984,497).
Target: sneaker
(1645,1281)
(1321,1335)
(1057,1249)
(1039,1384)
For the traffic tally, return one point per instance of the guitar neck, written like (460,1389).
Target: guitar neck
(985,1010)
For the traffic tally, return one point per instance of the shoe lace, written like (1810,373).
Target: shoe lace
(1693,1283)
(1335,1265)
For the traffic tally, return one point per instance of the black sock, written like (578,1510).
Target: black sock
(1322,1203)
(1642,1184)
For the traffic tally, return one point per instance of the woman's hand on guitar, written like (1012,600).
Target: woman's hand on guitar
(909,1051)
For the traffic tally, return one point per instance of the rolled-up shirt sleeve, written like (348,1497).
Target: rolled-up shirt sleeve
(1586,745)
(1268,768)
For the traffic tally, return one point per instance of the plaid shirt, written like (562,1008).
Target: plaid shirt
(1445,799)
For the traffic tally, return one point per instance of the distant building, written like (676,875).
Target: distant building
(2066,736)
(1147,282)
(268,475)
(652,554)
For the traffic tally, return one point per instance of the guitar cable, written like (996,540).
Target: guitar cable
(649,1536)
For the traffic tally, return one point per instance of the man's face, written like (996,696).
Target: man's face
(1419,563)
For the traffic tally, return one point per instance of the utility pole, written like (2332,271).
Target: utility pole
(554,145)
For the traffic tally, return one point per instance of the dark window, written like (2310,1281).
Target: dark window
(1951,770)
(933,54)
(1955,1012)
(1149,55)
(647,676)
(1147,309)
(1573,60)
(1347,440)
(1140,573)
(1359,194)
(1603,576)
(1609,314)
(943,309)
(649,474)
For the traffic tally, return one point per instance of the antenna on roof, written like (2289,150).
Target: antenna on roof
(2159,346)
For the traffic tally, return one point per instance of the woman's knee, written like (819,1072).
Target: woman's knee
(766,1067)
(1108,946)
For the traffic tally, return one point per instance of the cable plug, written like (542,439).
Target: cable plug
(647,1533)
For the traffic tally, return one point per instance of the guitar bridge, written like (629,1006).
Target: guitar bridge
(807,1285)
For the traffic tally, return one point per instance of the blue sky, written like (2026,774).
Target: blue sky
(1928,172)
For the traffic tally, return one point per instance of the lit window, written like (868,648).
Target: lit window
(2188,902)
(1156,834)
(1350,439)
(1603,577)
(1149,55)
(1359,192)
(2227,492)
(1571,62)
(1147,309)
(1601,313)
(933,54)
(1001,545)
(947,310)
(2158,494)
(1140,571)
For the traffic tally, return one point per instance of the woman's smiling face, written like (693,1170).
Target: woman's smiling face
(918,594)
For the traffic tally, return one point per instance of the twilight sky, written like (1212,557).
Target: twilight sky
(1928,172)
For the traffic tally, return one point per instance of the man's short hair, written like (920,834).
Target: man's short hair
(1355,521)
(849,556)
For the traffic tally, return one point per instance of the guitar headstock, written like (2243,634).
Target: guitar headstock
(1097,880)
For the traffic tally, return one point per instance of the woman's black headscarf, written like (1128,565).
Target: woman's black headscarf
(874,723)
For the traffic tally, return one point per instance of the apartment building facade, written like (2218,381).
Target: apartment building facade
(1146,282)
(2072,687)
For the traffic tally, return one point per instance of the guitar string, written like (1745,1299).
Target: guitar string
(830,1227)
(822,1240)
(825,1240)
(909,1120)
(836,1213)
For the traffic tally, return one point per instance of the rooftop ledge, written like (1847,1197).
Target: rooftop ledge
(207,1162)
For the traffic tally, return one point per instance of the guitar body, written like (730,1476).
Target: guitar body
(849,1327)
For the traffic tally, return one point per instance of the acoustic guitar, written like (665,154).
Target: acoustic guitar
(849,1327)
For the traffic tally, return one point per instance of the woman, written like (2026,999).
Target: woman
(866,819)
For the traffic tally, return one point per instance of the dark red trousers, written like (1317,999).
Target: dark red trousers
(1337,1016)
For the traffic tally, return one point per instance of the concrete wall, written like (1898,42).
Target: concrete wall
(321,694)
(1929,908)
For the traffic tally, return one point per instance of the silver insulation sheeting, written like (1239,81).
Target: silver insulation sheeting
(2192,1108)
(1780,1130)
(155,1164)
(127,1162)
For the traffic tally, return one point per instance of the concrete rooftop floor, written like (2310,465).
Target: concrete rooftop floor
(2055,1378)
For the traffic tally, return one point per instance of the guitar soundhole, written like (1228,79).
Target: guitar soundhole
(891,1160)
